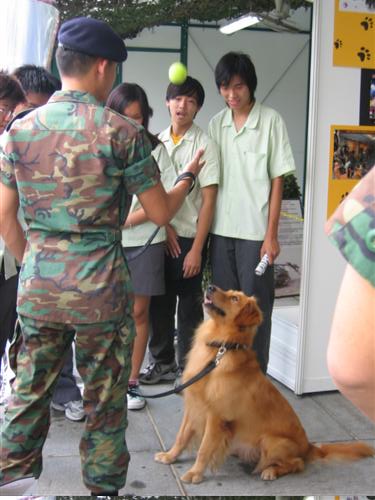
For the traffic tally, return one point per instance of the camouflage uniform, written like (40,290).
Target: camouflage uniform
(75,165)
(352,227)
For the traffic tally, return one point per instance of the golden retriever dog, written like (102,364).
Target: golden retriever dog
(235,409)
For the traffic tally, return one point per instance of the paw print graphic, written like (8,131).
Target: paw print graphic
(364,54)
(338,43)
(344,195)
(367,23)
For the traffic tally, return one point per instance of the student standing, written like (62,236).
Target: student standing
(255,154)
(186,236)
(146,265)
(11,97)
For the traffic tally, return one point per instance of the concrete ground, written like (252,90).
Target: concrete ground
(327,417)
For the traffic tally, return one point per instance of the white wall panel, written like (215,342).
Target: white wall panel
(281,61)
(335,95)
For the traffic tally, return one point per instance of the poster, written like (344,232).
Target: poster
(354,34)
(288,263)
(367,100)
(352,155)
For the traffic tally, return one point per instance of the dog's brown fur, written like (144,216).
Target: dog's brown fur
(235,409)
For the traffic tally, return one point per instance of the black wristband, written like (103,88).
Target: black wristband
(186,175)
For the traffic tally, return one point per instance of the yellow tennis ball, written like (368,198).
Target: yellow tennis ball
(177,73)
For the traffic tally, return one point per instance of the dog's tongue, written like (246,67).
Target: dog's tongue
(207,301)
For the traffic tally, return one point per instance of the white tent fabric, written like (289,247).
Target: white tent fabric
(27,33)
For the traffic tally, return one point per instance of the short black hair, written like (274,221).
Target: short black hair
(236,63)
(126,93)
(37,79)
(10,89)
(73,63)
(191,87)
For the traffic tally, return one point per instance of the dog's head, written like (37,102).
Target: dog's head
(232,307)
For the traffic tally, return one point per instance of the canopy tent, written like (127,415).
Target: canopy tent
(27,32)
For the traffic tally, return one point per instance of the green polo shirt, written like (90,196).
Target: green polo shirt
(185,221)
(138,235)
(250,159)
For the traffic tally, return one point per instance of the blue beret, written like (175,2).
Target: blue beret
(93,37)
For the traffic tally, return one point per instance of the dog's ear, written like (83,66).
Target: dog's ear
(250,314)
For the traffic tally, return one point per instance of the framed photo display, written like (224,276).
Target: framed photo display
(367,102)
(352,155)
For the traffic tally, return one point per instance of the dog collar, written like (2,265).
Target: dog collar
(229,346)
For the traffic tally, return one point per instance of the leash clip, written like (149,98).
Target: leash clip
(220,353)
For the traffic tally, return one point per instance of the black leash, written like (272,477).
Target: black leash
(145,246)
(207,369)
(223,348)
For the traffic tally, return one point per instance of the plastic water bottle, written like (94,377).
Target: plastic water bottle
(262,266)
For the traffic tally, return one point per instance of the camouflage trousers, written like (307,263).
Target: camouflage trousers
(103,356)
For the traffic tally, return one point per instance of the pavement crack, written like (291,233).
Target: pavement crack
(164,448)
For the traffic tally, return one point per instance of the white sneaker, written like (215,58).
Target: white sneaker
(3,393)
(6,376)
(18,487)
(73,409)
(135,402)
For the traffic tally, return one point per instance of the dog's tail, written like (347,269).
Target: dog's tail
(340,451)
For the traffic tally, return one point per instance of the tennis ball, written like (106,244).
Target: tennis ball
(177,73)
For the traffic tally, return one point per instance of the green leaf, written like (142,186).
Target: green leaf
(129,17)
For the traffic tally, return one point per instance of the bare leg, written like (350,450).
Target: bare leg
(183,438)
(141,307)
(212,451)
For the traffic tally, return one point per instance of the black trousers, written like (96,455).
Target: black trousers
(66,388)
(8,304)
(233,264)
(187,296)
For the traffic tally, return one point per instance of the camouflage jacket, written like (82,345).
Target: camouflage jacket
(75,165)
(352,227)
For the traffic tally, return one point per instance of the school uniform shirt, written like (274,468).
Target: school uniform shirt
(8,263)
(185,221)
(75,165)
(249,160)
(138,235)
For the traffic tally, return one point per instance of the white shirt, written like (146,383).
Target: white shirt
(138,235)
(185,221)
(250,159)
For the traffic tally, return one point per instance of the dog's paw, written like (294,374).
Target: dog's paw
(164,458)
(192,477)
(268,474)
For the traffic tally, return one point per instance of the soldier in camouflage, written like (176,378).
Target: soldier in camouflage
(72,166)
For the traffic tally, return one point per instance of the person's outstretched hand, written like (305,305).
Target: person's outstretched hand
(196,164)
